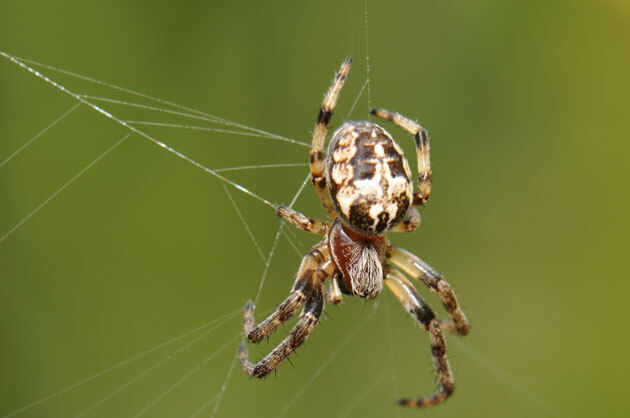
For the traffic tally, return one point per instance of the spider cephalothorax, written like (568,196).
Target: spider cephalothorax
(365,186)
(359,259)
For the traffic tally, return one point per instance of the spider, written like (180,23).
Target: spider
(365,186)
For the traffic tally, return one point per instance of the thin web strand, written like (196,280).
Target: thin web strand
(153,367)
(367,59)
(119,365)
(497,371)
(183,378)
(40,133)
(290,240)
(215,118)
(300,190)
(135,130)
(256,132)
(223,387)
(325,364)
(219,395)
(275,243)
(94,107)
(204,406)
(249,231)
(130,382)
(258,293)
(390,346)
(363,394)
(257,166)
(356,100)
(146,107)
(120,389)
(304,183)
(219,130)
(505,376)
(296,239)
(267,263)
(212,119)
(63,187)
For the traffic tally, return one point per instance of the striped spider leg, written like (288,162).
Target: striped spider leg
(426,274)
(365,184)
(319,138)
(307,291)
(411,300)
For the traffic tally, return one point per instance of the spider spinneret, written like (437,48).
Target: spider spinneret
(365,186)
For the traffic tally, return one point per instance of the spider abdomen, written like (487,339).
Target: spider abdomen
(365,186)
(368,177)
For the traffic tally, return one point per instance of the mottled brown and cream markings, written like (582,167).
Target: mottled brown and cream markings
(369,177)
(365,186)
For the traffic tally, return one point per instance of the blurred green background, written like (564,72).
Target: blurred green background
(526,103)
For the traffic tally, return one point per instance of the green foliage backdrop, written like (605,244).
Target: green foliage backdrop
(526,103)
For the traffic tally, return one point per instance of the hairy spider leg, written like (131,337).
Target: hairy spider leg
(409,223)
(421,137)
(302,221)
(333,295)
(307,291)
(411,300)
(308,319)
(319,137)
(426,274)
(302,288)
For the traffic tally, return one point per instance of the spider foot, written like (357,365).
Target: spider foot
(427,401)
(450,326)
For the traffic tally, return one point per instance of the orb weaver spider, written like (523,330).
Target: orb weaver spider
(365,186)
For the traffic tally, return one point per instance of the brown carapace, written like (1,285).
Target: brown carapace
(366,187)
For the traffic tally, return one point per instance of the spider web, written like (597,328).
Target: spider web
(154,108)
(145,117)
(168,351)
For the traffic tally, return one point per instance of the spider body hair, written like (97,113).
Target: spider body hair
(365,187)
(359,258)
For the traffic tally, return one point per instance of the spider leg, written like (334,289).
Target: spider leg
(308,319)
(409,223)
(303,222)
(423,272)
(319,137)
(422,147)
(333,295)
(302,287)
(412,301)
